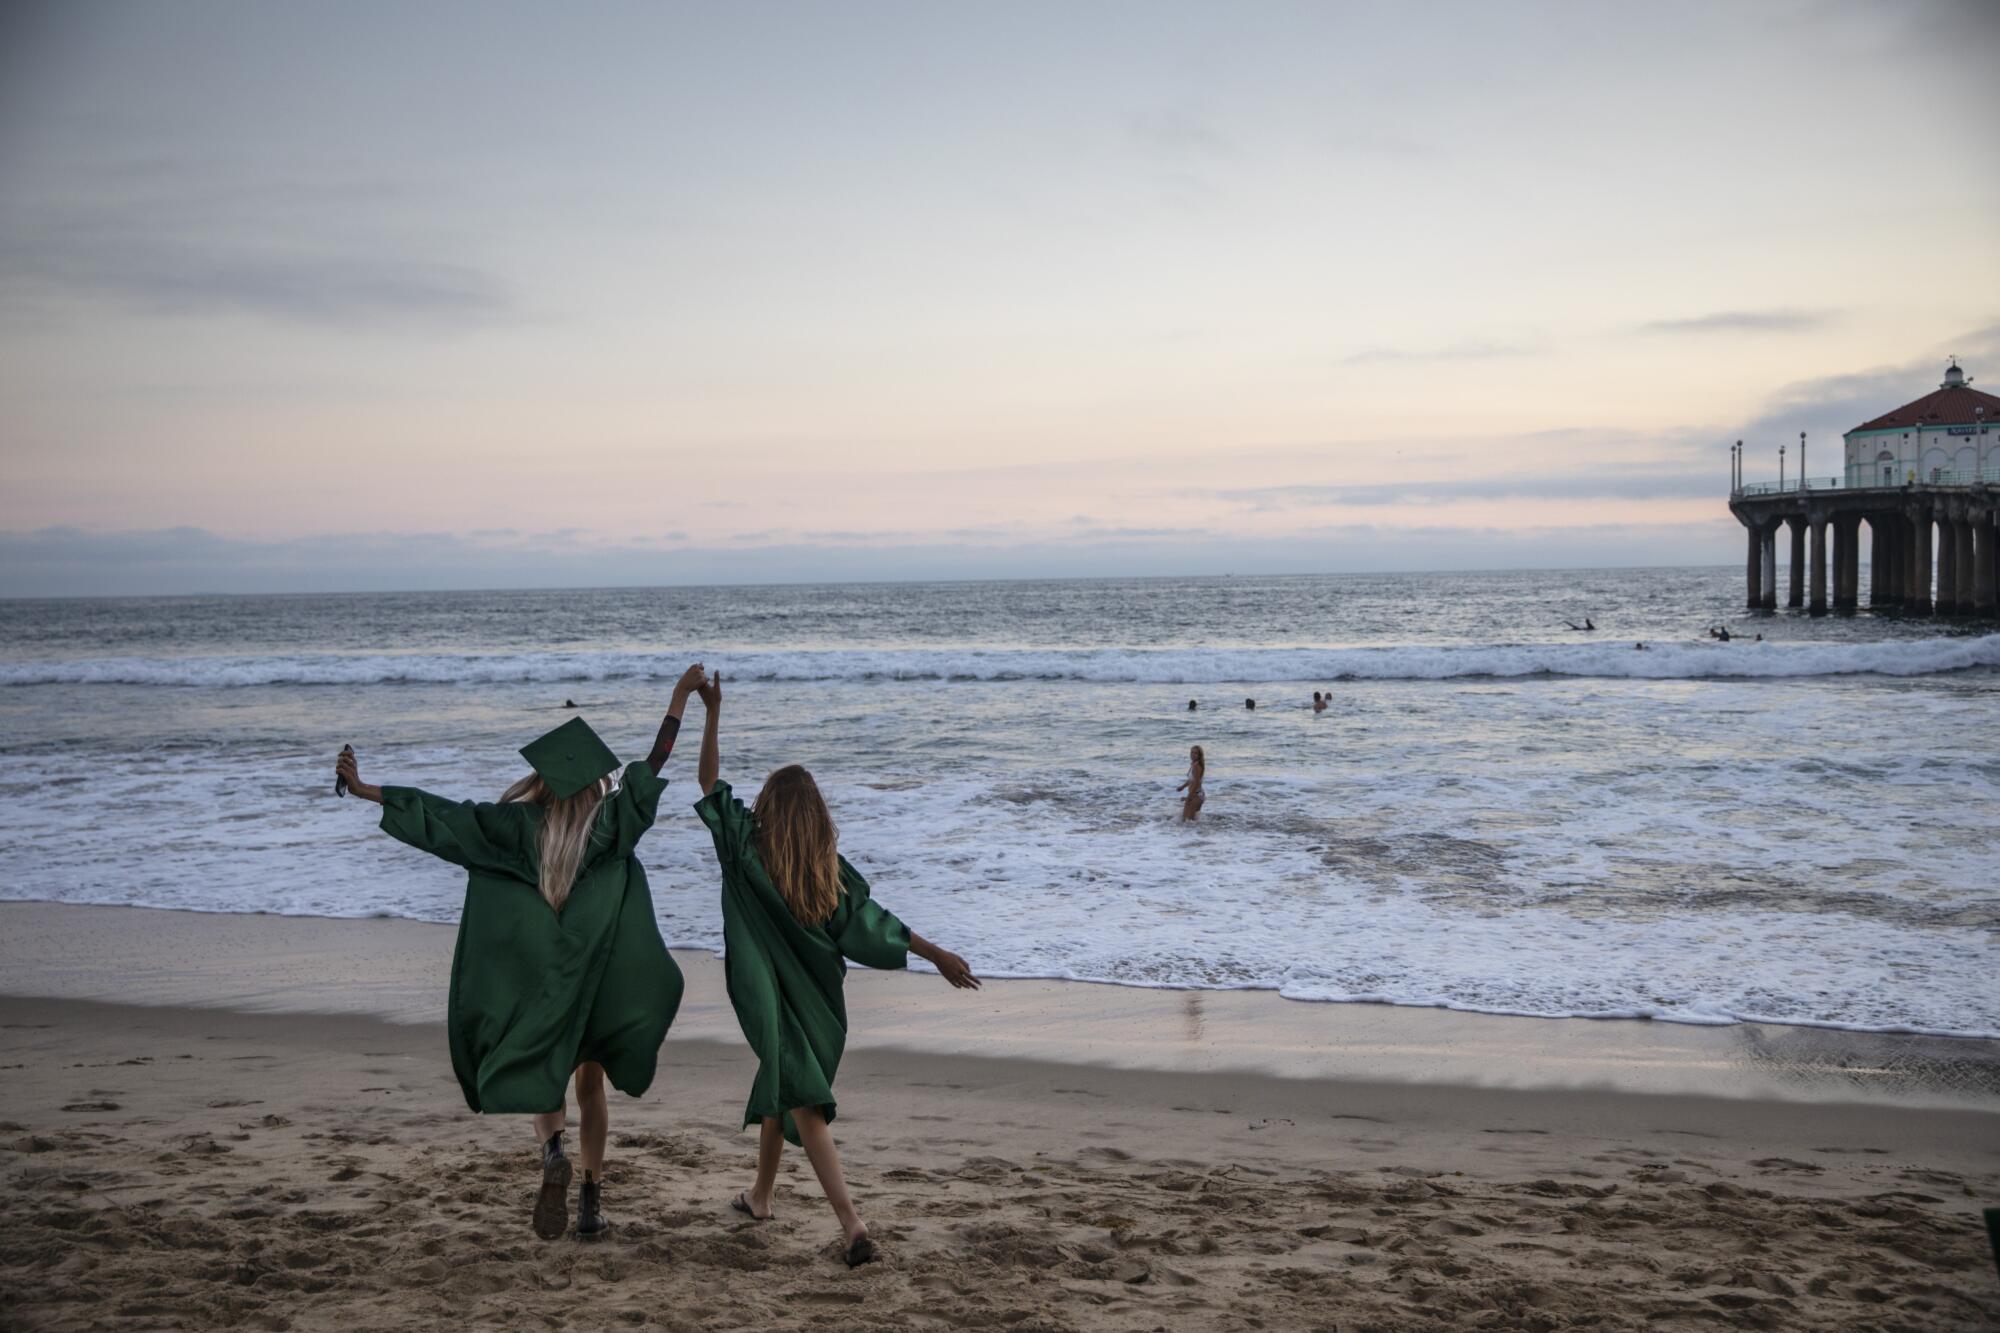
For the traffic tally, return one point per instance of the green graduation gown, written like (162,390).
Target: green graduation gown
(535,993)
(785,978)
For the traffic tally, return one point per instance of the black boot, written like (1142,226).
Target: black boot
(590,1222)
(552,1204)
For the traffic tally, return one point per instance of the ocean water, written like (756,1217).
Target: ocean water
(1496,813)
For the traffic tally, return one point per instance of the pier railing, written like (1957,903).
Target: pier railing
(1861,481)
(1793,486)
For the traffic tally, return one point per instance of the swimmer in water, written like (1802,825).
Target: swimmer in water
(1192,705)
(1197,767)
(1250,704)
(1319,704)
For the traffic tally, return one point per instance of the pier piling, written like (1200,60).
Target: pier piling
(1933,549)
(1818,607)
(1796,597)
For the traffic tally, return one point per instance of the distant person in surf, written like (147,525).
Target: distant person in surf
(793,912)
(1197,767)
(1319,704)
(1585,628)
(1250,704)
(1192,705)
(559,967)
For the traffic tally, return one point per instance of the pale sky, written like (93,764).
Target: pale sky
(461,295)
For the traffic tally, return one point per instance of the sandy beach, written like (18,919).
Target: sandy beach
(212,1121)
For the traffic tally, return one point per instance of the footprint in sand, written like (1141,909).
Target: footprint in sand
(1786,1164)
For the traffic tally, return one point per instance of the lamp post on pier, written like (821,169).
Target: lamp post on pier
(1802,460)
(1781,467)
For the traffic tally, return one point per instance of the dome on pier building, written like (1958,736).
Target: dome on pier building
(1947,437)
(1953,403)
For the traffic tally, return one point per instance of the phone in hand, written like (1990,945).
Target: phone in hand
(340,783)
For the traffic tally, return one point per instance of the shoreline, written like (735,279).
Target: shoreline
(683,953)
(396,969)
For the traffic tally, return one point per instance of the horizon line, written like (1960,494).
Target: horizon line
(856,583)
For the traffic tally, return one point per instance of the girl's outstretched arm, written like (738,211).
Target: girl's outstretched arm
(950,965)
(345,770)
(710,767)
(670,725)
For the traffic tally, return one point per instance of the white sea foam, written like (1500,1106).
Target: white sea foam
(1513,852)
(1606,660)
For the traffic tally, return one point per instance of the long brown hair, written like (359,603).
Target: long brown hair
(566,828)
(798,843)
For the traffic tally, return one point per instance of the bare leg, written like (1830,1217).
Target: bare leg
(595,1113)
(825,1158)
(548,1123)
(770,1147)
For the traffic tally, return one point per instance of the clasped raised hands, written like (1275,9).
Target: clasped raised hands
(690,682)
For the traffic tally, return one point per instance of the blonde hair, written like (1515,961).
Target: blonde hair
(1195,756)
(567,825)
(798,844)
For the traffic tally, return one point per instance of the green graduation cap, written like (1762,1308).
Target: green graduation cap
(570,758)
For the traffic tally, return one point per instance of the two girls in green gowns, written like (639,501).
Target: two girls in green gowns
(793,912)
(559,967)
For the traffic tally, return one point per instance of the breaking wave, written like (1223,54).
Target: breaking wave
(1178,666)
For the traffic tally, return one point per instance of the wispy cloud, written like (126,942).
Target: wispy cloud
(1829,405)
(1380,144)
(189,241)
(1745,321)
(1179,129)
(1597,483)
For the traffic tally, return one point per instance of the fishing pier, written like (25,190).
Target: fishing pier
(1925,479)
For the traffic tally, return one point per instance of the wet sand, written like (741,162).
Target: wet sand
(397,969)
(256,1161)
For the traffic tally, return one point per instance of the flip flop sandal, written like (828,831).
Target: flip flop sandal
(862,1251)
(741,1203)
